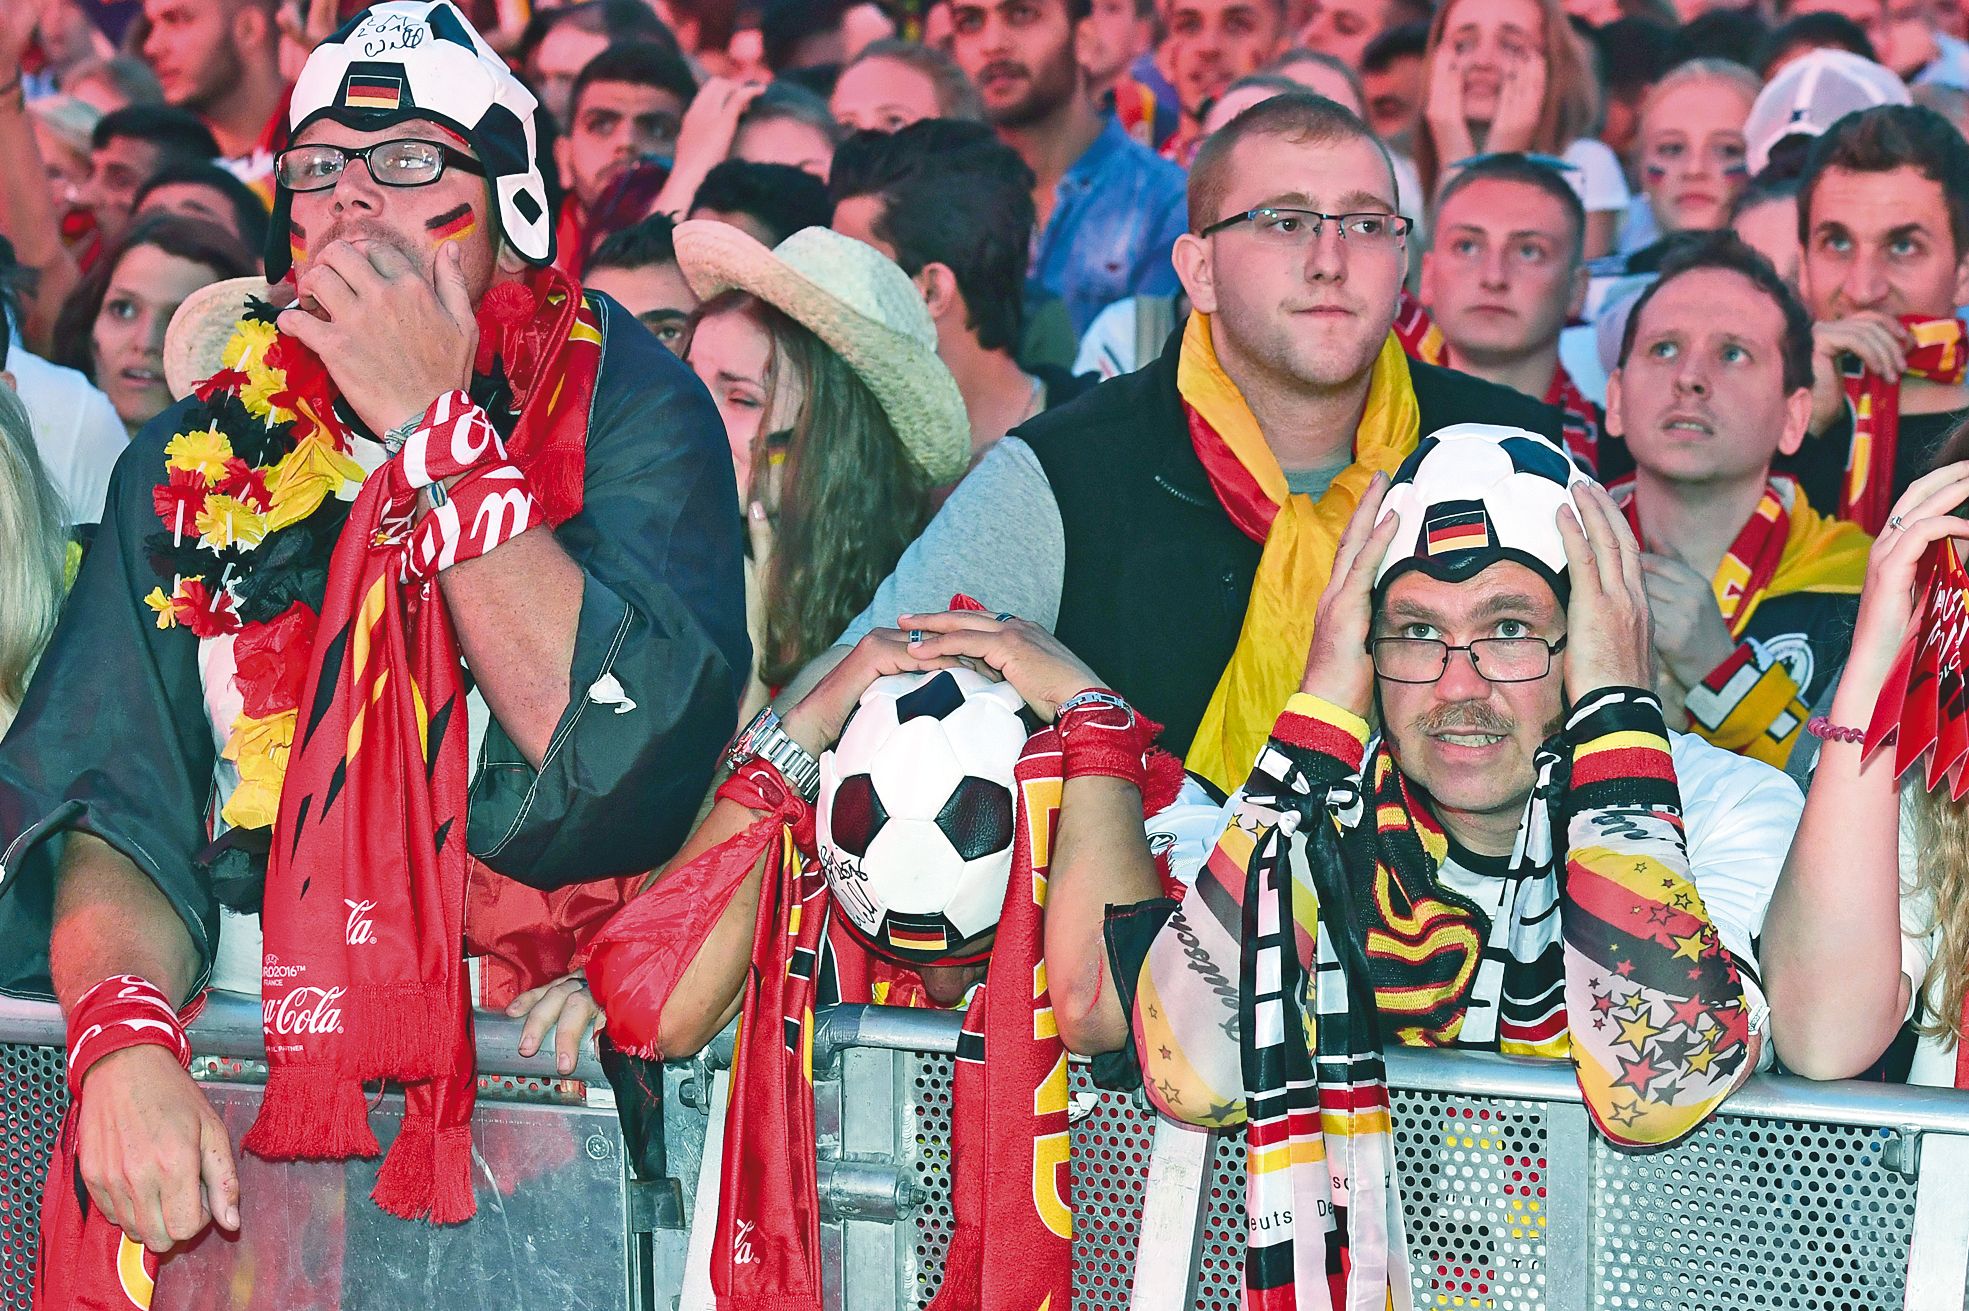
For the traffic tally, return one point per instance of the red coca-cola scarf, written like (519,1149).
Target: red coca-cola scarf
(366,884)
(1938,356)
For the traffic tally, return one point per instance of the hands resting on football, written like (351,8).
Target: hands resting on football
(1022,653)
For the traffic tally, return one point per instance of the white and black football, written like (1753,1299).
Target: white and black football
(914,822)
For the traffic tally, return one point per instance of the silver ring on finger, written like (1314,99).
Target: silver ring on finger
(1895,522)
(915,636)
(1005,616)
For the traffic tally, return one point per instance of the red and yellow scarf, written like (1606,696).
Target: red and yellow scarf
(1938,355)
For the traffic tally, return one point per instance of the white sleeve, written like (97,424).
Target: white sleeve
(1597,176)
(1107,348)
(1187,829)
(998,539)
(1917,905)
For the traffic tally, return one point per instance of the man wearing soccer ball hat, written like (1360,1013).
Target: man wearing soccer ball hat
(321,591)
(1508,865)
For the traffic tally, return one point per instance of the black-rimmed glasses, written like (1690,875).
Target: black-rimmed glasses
(409,162)
(1276,225)
(1497,659)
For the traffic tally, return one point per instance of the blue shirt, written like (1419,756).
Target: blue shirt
(1116,213)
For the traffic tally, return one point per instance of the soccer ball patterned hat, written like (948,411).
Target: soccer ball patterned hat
(1473,494)
(420,60)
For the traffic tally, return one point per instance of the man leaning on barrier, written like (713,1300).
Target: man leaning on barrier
(1524,860)
(293,634)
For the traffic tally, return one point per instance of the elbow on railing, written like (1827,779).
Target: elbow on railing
(1814,1042)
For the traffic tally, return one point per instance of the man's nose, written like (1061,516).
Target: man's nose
(1326,255)
(1461,681)
(357,188)
(1865,284)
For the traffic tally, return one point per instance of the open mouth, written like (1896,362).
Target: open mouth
(1695,427)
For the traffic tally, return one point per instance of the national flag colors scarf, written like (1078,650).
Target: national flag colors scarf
(1318,929)
(1299,536)
(1939,356)
(363,973)
(1009,1144)
(1750,703)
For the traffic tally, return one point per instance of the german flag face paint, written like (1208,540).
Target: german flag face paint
(453,224)
(297,244)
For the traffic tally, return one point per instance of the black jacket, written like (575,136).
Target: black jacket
(114,739)
(1157,575)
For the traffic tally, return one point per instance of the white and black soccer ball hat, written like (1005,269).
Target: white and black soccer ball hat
(1473,494)
(420,59)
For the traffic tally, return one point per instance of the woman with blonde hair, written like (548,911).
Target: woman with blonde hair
(33,566)
(1868,931)
(1693,160)
(1513,76)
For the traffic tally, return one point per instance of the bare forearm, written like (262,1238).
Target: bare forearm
(516,610)
(111,919)
(29,220)
(707,994)
(1101,859)
(1831,947)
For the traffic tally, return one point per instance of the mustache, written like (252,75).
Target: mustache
(1466,717)
(381,234)
(1005,68)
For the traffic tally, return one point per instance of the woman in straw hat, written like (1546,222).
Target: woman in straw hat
(822,359)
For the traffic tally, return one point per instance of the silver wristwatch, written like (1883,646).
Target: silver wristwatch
(765,739)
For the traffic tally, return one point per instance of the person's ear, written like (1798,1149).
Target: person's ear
(1194,270)
(1797,421)
(1616,428)
(939,287)
(253,27)
(1582,279)
(510,260)
(1962,280)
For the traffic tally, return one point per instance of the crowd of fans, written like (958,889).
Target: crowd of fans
(1139,322)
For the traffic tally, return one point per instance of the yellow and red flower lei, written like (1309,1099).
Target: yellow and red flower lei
(268,457)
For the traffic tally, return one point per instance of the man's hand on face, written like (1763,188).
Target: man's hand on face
(1690,635)
(393,336)
(153,1153)
(1877,340)
(1338,667)
(1608,637)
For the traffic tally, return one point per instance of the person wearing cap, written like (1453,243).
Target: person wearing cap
(1174,526)
(1884,219)
(1468,876)
(471,513)
(822,359)
(1806,97)
(1753,591)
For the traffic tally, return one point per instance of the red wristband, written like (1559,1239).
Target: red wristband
(124,1010)
(758,785)
(1107,741)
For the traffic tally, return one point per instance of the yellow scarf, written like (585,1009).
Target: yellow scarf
(1270,658)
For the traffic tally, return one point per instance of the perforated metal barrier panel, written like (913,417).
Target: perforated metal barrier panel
(36,1098)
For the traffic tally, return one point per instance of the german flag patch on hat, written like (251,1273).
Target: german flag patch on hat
(378,91)
(1456,526)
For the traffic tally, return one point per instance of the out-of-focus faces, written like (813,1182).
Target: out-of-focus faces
(732,354)
(1881,242)
(116,173)
(1701,398)
(193,47)
(1112,38)
(126,343)
(1871,15)
(1020,54)
(614,127)
(1692,153)
(1343,28)
(1212,43)
(745,57)
(558,60)
(785,141)
(67,167)
(1491,37)
(1771,229)
(657,294)
(883,95)
(192,200)
(1594,13)
(1500,278)
(1394,98)
(1309,311)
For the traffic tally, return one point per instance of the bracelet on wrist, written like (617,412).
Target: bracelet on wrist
(1826,731)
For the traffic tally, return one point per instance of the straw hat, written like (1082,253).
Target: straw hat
(864,307)
(201,328)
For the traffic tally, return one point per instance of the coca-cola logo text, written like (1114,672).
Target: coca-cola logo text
(361,929)
(309,1010)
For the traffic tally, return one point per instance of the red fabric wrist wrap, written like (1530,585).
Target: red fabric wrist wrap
(122,1011)
(1094,743)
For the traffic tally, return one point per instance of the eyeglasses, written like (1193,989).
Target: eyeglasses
(1497,659)
(1302,227)
(410,162)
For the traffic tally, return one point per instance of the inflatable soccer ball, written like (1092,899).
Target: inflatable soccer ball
(914,822)
(1473,492)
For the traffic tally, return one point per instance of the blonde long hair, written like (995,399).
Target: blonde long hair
(32,563)
(1572,89)
(1941,872)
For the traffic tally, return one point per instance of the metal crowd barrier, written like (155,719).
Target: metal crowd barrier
(1799,1195)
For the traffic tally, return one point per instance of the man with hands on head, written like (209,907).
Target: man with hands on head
(436,371)
(1753,591)
(1480,862)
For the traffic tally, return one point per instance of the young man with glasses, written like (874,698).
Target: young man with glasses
(472,514)
(1175,526)
(1754,592)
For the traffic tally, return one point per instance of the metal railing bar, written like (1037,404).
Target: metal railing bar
(891,1028)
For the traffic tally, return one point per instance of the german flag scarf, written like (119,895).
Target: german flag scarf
(363,973)
(1322,902)
(1009,1136)
(1299,535)
(1938,355)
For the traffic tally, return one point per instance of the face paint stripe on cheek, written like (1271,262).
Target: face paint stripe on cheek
(453,223)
